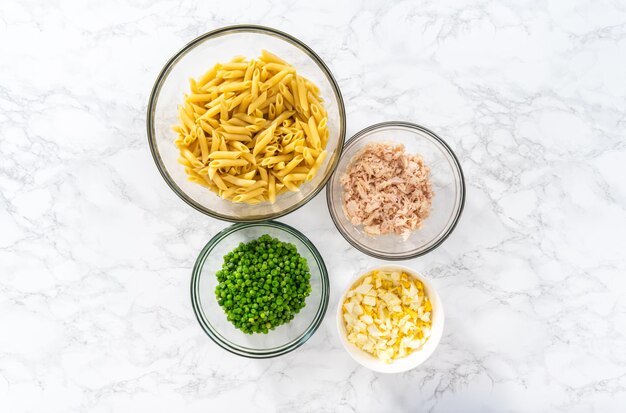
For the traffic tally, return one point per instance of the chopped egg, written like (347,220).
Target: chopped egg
(387,314)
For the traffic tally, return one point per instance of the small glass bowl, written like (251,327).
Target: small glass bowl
(212,317)
(447,181)
(197,57)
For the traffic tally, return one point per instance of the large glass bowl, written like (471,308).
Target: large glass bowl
(211,316)
(447,182)
(194,60)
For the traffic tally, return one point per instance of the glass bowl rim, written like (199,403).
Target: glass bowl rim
(412,254)
(246,351)
(243,28)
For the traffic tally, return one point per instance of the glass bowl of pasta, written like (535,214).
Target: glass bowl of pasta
(246,123)
(216,317)
(398,191)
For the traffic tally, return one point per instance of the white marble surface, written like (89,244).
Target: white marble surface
(96,251)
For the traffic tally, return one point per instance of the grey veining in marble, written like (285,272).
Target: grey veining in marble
(96,251)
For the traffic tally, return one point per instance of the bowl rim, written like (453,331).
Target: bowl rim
(158,84)
(433,296)
(246,351)
(455,220)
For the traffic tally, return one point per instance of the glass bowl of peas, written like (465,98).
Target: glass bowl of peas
(259,290)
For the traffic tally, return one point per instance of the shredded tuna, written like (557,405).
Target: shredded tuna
(386,190)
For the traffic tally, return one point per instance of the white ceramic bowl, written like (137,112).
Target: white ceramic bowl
(418,356)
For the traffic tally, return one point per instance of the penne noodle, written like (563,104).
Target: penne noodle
(249,157)
(238,181)
(254,90)
(236,122)
(211,172)
(312,88)
(294,91)
(273,81)
(213,122)
(235,66)
(211,113)
(248,175)
(234,74)
(208,76)
(240,130)
(313,137)
(286,94)
(219,182)
(263,140)
(256,103)
(238,146)
(312,99)
(273,160)
(279,104)
(302,98)
(249,70)
(308,156)
(264,75)
(249,119)
(300,170)
(271,113)
(316,167)
(235,137)
(267,102)
(291,186)
(227,193)
(272,58)
(223,111)
(289,166)
(271,149)
(294,177)
(184,161)
(198,97)
(187,120)
(316,112)
(279,166)
(225,155)
(278,67)
(204,147)
(191,158)
(243,107)
(257,184)
(214,101)
(215,142)
(236,101)
(252,194)
(234,86)
(272,188)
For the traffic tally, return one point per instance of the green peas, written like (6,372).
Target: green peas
(262,284)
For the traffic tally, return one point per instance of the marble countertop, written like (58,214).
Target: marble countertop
(96,251)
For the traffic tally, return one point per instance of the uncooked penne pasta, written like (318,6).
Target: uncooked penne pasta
(273,81)
(225,155)
(250,130)
(238,181)
(272,189)
(256,103)
(204,146)
(221,163)
(314,137)
(316,166)
(249,195)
